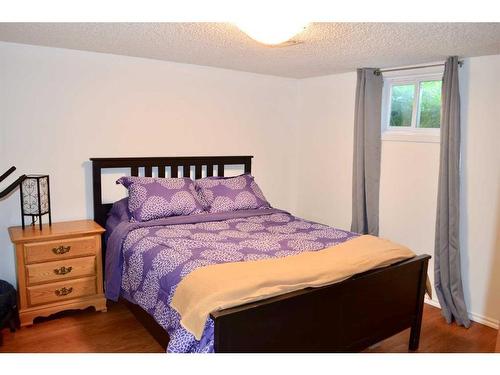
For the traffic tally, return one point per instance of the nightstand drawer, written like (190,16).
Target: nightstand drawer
(60,270)
(63,290)
(60,249)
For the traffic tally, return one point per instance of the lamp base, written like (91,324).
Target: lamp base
(35,218)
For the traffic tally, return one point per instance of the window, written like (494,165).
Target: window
(411,105)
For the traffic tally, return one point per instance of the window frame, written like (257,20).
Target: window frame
(411,133)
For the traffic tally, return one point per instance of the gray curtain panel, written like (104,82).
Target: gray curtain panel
(447,274)
(367,144)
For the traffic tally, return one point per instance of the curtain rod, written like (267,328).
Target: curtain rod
(379,71)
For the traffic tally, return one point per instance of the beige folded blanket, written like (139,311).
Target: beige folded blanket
(221,286)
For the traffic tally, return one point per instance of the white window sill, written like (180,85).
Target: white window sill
(411,136)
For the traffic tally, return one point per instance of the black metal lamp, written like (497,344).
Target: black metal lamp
(35,198)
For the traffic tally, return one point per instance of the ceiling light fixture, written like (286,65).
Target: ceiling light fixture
(272,33)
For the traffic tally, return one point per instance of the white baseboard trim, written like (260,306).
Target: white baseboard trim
(432,302)
(478,318)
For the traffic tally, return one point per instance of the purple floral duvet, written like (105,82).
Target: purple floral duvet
(146,261)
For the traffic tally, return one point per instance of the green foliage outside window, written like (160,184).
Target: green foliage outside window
(430,104)
(402,105)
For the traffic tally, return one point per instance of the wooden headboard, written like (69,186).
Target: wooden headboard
(162,163)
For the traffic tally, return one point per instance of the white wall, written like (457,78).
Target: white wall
(409,171)
(325,139)
(480,84)
(59,107)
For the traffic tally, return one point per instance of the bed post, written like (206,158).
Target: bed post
(97,193)
(417,323)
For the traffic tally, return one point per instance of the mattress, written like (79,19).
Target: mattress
(146,261)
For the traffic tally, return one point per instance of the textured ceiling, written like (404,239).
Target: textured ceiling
(326,48)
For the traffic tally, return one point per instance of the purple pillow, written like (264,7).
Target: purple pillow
(153,198)
(221,194)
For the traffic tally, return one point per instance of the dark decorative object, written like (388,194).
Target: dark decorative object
(347,316)
(35,198)
(13,185)
(8,308)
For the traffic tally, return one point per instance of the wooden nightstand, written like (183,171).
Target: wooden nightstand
(58,268)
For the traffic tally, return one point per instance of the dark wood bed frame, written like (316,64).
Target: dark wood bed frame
(347,316)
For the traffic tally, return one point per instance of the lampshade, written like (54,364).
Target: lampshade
(35,198)
(272,32)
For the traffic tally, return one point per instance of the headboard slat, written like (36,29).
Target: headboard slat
(161,171)
(220,170)
(210,170)
(197,171)
(186,170)
(173,171)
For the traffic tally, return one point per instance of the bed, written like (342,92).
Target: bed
(345,316)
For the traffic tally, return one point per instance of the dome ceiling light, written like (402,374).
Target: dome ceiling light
(272,33)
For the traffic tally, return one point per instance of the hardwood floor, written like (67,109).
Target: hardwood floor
(118,331)
(439,337)
(115,331)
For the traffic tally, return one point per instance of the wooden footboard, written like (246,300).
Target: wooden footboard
(344,317)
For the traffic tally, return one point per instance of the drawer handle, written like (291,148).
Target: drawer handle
(63,291)
(61,249)
(62,270)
